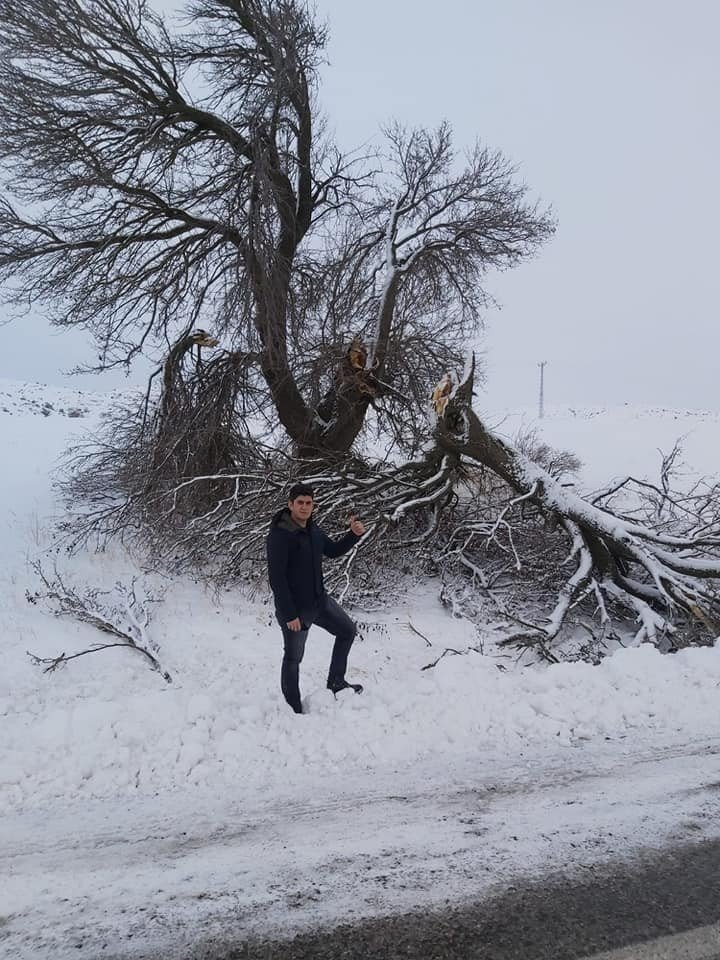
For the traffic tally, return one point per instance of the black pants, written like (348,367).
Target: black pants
(329,615)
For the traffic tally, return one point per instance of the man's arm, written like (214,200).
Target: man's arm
(277,555)
(336,548)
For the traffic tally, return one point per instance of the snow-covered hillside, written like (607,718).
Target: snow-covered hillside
(615,441)
(107,729)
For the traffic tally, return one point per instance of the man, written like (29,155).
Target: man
(295,548)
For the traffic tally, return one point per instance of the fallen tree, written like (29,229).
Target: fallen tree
(498,528)
(665,566)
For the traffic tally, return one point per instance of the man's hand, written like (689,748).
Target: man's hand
(295,624)
(356,526)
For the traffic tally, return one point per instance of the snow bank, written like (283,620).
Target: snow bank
(107,726)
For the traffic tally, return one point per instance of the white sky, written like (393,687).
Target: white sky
(610,109)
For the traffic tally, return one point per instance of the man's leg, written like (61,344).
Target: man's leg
(294,649)
(332,617)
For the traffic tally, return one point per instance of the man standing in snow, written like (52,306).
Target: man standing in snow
(295,548)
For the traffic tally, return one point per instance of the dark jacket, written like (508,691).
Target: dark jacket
(295,563)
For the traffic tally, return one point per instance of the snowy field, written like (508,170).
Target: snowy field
(136,813)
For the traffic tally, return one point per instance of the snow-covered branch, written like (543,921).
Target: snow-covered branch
(123,614)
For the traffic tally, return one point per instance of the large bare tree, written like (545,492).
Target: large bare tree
(156,181)
(159,183)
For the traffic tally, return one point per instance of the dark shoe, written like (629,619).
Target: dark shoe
(337,685)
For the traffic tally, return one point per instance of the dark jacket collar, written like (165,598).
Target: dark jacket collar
(284,521)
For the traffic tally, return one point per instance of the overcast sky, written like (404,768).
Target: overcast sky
(610,110)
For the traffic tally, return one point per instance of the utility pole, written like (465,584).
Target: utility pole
(541,405)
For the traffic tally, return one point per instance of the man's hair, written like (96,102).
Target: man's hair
(300,490)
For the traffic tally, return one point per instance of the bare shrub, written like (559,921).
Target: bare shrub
(558,463)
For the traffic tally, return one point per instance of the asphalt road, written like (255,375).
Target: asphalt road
(658,905)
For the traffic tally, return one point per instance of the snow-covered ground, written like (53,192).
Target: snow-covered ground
(135,811)
(615,441)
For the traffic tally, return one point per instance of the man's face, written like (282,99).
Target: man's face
(300,509)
